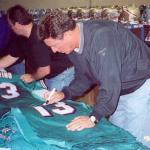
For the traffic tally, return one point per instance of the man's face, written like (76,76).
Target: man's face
(65,45)
(15,27)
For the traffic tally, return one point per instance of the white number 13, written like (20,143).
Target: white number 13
(61,109)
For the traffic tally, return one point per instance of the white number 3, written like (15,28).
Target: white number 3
(11,90)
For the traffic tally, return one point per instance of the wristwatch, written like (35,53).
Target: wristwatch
(93,119)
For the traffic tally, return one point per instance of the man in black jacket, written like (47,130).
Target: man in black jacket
(107,54)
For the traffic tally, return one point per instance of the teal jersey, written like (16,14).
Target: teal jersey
(15,93)
(48,124)
(39,127)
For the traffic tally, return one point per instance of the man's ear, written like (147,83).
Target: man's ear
(18,25)
(68,34)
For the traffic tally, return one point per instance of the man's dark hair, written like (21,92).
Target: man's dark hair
(19,14)
(55,24)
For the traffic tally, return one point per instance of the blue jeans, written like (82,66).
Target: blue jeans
(18,68)
(61,80)
(132,113)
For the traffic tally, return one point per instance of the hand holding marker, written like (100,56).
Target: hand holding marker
(50,95)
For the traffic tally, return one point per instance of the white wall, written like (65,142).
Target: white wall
(5,4)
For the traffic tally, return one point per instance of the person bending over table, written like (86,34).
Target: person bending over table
(107,54)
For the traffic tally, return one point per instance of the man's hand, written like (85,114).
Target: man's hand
(27,78)
(80,123)
(53,98)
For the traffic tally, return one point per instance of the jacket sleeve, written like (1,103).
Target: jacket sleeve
(81,82)
(106,62)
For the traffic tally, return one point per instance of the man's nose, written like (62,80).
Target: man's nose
(54,49)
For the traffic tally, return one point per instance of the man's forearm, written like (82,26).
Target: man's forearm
(41,72)
(77,87)
(7,61)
